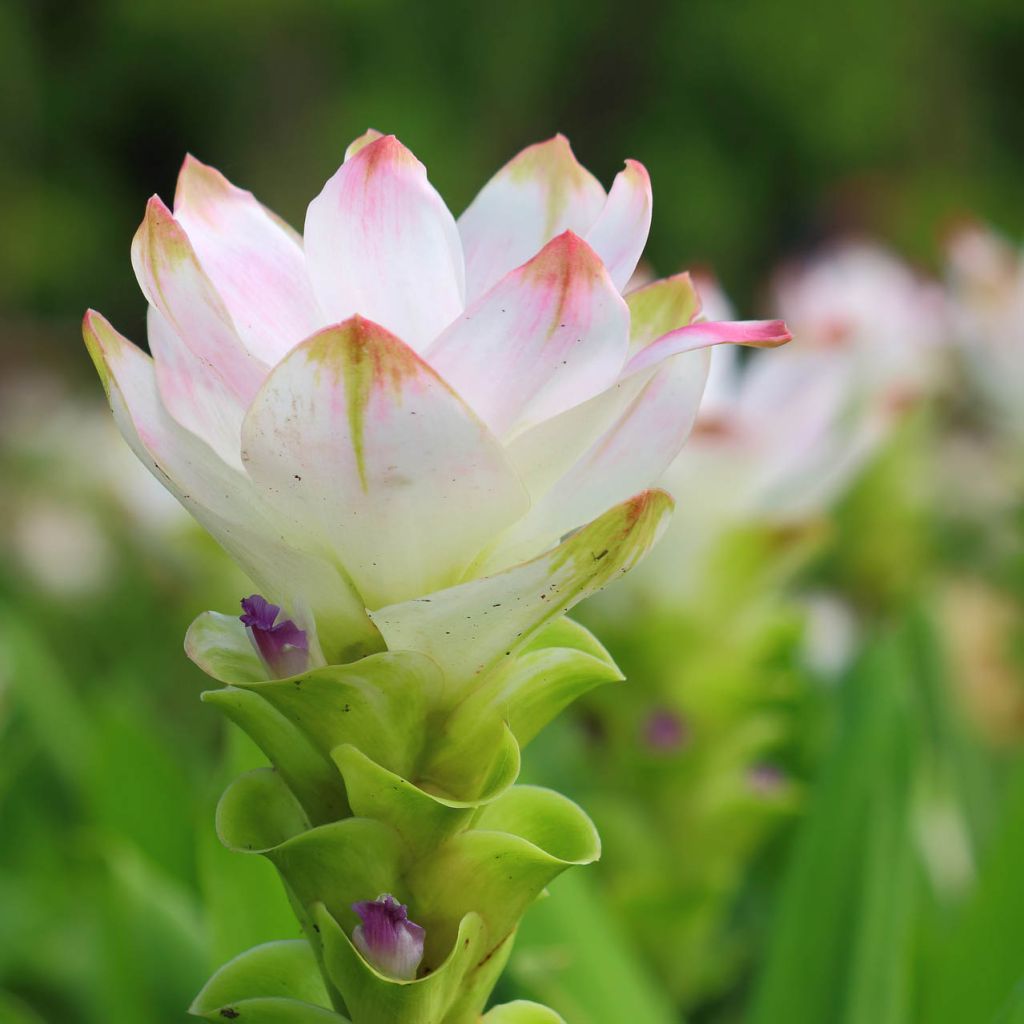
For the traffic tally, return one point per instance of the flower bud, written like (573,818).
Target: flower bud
(387,938)
(766,779)
(282,645)
(665,731)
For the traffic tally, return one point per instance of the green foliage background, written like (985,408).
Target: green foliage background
(767,127)
(764,125)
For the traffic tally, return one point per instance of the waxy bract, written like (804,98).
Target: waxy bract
(398,402)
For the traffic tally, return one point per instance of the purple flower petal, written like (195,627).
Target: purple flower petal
(258,612)
(665,731)
(283,647)
(387,938)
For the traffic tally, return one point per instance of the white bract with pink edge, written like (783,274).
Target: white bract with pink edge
(399,416)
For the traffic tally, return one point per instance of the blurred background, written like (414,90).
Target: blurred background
(811,789)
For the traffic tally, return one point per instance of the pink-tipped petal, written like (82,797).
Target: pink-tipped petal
(467,628)
(357,441)
(549,451)
(254,262)
(548,336)
(222,499)
(173,281)
(620,232)
(754,333)
(380,243)
(537,195)
(660,307)
(630,455)
(370,135)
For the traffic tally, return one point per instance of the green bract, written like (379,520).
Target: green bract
(384,777)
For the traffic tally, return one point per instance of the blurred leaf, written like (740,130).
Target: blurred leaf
(243,897)
(148,922)
(879,985)
(981,965)
(572,955)
(838,947)
(14,1011)
(1013,1012)
(41,689)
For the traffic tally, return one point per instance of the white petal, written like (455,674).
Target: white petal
(381,243)
(356,439)
(545,452)
(540,193)
(630,456)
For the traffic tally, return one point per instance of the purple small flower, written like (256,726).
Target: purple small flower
(766,779)
(282,645)
(665,731)
(387,938)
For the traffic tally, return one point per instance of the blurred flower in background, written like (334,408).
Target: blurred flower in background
(885,325)
(986,280)
(77,491)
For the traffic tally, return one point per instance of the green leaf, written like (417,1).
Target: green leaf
(59,720)
(979,970)
(840,940)
(14,1011)
(1013,1011)
(879,984)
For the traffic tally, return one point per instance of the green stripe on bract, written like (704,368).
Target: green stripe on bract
(366,359)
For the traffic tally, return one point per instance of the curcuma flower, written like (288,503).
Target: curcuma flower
(424,440)
(986,287)
(397,402)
